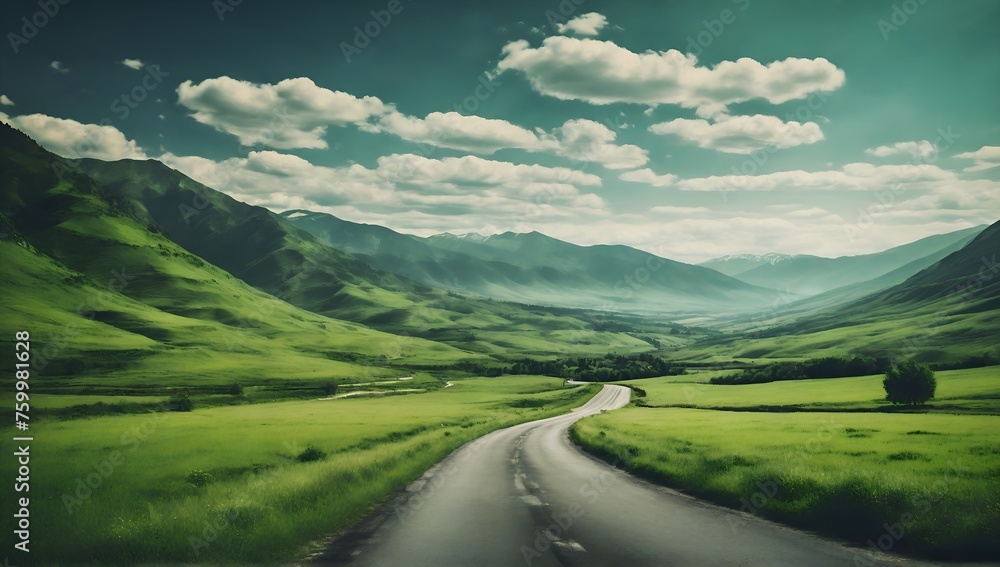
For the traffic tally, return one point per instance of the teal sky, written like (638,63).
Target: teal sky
(831,128)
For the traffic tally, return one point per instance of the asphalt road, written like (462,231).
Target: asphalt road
(526,496)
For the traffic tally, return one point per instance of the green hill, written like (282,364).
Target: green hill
(104,292)
(539,269)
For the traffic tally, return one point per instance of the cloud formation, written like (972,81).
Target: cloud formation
(293,113)
(5,100)
(920,150)
(741,134)
(986,157)
(601,72)
(133,64)
(648,177)
(851,177)
(72,139)
(589,24)
(400,184)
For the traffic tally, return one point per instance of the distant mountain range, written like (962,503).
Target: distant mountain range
(807,275)
(536,268)
(736,264)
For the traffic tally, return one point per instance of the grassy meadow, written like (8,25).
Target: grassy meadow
(813,453)
(971,390)
(193,486)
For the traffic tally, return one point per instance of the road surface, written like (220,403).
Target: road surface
(526,496)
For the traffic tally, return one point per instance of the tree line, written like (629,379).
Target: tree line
(609,368)
(828,367)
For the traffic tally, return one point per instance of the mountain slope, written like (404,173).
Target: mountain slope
(105,293)
(945,313)
(812,275)
(537,268)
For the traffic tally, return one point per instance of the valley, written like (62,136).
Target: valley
(169,320)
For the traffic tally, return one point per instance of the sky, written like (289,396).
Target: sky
(690,129)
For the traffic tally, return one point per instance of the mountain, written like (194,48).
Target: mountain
(269,252)
(536,268)
(739,263)
(946,312)
(812,275)
(104,292)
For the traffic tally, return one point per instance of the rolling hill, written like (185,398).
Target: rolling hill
(536,268)
(105,294)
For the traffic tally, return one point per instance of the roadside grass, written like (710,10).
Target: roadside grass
(251,483)
(858,476)
(975,390)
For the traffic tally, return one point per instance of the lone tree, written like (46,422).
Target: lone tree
(909,383)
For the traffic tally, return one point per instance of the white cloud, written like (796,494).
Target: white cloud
(72,139)
(458,132)
(293,113)
(582,140)
(586,140)
(5,100)
(916,150)
(985,157)
(133,64)
(648,177)
(466,187)
(741,134)
(588,24)
(851,177)
(601,72)
(681,211)
(58,66)
(471,170)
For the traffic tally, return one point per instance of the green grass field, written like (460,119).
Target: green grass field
(194,486)
(852,472)
(973,390)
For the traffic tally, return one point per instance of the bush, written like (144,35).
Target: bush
(909,383)
(311,454)
(199,478)
(330,388)
(180,403)
(236,389)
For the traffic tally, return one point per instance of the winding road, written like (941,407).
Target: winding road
(526,496)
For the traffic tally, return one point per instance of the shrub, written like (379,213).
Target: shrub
(199,478)
(909,383)
(180,403)
(310,454)
(330,388)
(236,389)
